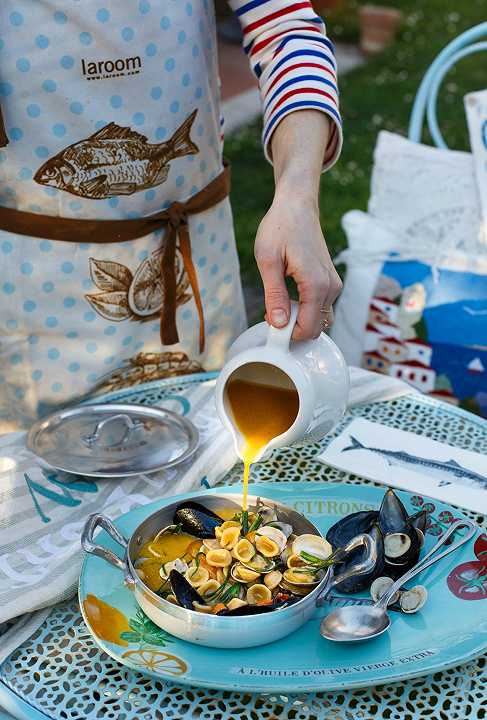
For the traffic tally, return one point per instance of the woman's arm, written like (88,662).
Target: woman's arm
(290,241)
(294,63)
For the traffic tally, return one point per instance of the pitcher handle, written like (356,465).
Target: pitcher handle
(281,337)
(87,543)
(359,568)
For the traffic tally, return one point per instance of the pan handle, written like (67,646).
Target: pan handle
(366,565)
(98,520)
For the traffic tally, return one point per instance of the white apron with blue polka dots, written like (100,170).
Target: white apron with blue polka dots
(99,100)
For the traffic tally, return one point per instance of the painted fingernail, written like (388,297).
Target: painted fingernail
(279,317)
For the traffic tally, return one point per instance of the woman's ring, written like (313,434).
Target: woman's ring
(326,317)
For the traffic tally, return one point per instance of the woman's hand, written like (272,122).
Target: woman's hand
(290,241)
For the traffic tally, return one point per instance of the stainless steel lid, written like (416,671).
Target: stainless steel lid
(113,440)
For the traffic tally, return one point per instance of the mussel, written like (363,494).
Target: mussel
(419,520)
(259,609)
(350,526)
(183,591)
(197,520)
(402,544)
(357,583)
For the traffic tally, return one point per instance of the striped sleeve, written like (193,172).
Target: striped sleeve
(294,63)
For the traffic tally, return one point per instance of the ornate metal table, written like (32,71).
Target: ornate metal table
(60,674)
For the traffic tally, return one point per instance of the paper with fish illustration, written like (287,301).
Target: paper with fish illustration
(410,462)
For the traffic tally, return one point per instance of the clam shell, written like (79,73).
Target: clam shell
(380,586)
(300,590)
(312,544)
(236,603)
(211,544)
(240,573)
(176,564)
(208,609)
(413,600)
(300,578)
(260,563)
(295,561)
(285,528)
(272,579)
(273,533)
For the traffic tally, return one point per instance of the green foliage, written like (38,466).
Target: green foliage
(421,329)
(145,632)
(471,405)
(376,97)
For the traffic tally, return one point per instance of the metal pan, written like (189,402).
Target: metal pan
(214,630)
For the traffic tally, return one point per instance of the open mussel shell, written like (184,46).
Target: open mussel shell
(350,526)
(419,520)
(402,544)
(357,583)
(197,520)
(413,600)
(183,591)
(249,610)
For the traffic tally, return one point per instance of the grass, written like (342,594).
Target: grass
(374,97)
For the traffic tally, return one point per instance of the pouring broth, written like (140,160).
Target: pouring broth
(261,410)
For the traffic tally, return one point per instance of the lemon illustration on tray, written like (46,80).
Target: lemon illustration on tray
(157,661)
(107,622)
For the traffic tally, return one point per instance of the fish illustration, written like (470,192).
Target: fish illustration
(434,468)
(115,161)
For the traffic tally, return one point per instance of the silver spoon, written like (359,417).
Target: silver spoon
(363,622)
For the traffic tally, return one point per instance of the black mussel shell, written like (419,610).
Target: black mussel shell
(394,520)
(393,517)
(196,519)
(259,609)
(350,526)
(247,610)
(192,505)
(419,520)
(183,591)
(360,582)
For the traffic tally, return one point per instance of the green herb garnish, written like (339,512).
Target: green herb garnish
(256,523)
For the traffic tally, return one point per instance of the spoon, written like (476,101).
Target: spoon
(364,622)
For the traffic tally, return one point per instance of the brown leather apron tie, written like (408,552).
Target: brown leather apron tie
(175,219)
(3,134)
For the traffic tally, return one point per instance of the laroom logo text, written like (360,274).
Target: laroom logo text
(103,69)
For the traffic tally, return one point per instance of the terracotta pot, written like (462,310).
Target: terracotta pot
(378,27)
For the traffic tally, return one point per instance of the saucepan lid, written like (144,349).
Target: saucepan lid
(113,440)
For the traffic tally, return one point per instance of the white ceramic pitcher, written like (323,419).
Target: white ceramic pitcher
(315,368)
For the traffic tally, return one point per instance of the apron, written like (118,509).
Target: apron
(112,113)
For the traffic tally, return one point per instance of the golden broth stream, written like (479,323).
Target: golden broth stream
(261,412)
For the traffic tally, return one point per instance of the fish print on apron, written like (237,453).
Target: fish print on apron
(112,112)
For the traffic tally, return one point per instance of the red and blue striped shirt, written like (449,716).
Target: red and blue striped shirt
(294,63)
